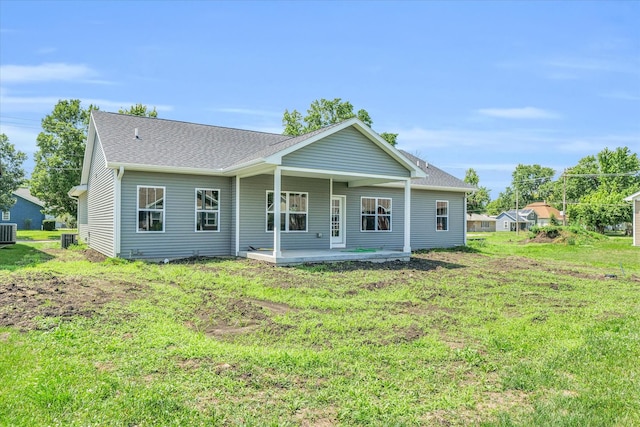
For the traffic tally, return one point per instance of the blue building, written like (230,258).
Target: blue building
(27,211)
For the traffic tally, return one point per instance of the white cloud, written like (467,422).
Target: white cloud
(45,104)
(24,138)
(45,73)
(518,113)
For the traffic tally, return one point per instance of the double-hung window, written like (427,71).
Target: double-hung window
(442,215)
(6,215)
(207,209)
(293,211)
(375,214)
(151,209)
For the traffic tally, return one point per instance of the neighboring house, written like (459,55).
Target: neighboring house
(544,213)
(156,189)
(479,222)
(635,200)
(525,218)
(26,213)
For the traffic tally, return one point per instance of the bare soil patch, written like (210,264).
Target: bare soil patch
(26,298)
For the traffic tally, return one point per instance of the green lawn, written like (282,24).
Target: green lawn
(36,235)
(500,333)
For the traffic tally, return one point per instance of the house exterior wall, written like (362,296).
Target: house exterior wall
(24,212)
(83,217)
(253,213)
(179,238)
(100,205)
(423,220)
(476,226)
(500,223)
(356,154)
(355,237)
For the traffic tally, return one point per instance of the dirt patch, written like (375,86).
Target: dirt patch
(237,316)
(24,299)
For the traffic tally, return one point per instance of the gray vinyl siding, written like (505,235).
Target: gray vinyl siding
(179,238)
(253,213)
(500,220)
(423,220)
(100,208)
(83,217)
(356,238)
(346,151)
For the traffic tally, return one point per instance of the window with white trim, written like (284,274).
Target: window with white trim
(442,215)
(293,211)
(506,224)
(6,215)
(151,209)
(207,209)
(375,213)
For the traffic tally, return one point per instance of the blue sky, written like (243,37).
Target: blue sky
(482,84)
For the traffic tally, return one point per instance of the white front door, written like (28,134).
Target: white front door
(338,238)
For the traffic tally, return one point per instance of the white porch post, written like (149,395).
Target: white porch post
(237,219)
(407,216)
(277,189)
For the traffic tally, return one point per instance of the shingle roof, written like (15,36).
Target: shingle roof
(543,210)
(26,194)
(172,143)
(435,177)
(479,217)
(176,144)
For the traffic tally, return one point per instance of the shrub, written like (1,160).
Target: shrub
(49,224)
(27,223)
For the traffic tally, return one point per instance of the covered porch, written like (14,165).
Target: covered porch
(303,256)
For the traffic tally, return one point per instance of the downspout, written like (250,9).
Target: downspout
(464,222)
(117,211)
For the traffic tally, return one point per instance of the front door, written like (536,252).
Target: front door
(338,239)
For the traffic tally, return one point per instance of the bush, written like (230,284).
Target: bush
(550,231)
(27,223)
(49,224)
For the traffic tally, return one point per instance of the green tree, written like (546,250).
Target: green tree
(533,183)
(59,157)
(504,202)
(597,185)
(11,172)
(139,110)
(476,201)
(325,112)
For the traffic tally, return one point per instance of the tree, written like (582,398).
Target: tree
(532,182)
(326,112)
(597,185)
(139,110)
(504,202)
(59,157)
(11,172)
(477,201)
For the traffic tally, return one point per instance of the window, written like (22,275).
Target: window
(375,213)
(6,215)
(293,211)
(207,209)
(442,215)
(150,209)
(506,224)
(484,224)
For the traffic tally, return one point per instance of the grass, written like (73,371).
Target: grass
(36,235)
(501,333)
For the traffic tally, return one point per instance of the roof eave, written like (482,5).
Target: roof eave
(164,169)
